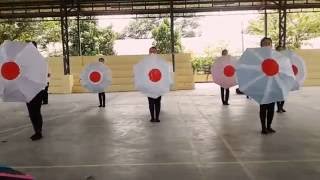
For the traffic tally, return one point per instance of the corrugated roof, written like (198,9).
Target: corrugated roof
(53,8)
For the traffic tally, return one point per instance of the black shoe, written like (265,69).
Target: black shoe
(264,131)
(90,178)
(157,120)
(283,110)
(103,105)
(36,137)
(152,120)
(270,130)
(45,103)
(33,136)
(100,106)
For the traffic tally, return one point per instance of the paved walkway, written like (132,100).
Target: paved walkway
(197,139)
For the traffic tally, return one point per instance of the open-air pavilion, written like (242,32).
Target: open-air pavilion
(197,139)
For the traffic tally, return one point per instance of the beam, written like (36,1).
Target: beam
(24,9)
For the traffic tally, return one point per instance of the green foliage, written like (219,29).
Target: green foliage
(42,32)
(49,31)
(188,26)
(94,40)
(106,42)
(300,27)
(142,28)
(202,64)
(162,38)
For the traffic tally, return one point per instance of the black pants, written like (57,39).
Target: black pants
(224,98)
(34,109)
(280,105)
(266,112)
(102,99)
(45,94)
(154,106)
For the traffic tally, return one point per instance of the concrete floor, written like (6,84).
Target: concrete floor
(197,139)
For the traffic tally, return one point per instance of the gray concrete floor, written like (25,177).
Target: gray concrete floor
(197,139)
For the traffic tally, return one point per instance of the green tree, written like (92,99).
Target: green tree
(48,32)
(142,28)
(43,32)
(202,64)
(189,27)
(108,36)
(300,27)
(93,39)
(21,31)
(162,38)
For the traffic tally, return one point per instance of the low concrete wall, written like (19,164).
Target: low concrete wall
(312,60)
(122,72)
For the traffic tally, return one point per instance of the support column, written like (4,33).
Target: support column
(282,23)
(65,36)
(172,35)
(265,22)
(79,30)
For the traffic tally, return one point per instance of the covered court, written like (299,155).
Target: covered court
(197,139)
